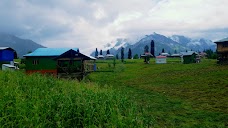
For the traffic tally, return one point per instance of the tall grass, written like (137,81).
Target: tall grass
(38,101)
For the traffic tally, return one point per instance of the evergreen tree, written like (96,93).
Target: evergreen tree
(96,53)
(101,52)
(175,51)
(146,49)
(78,50)
(122,54)
(163,50)
(117,56)
(152,47)
(129,54)
(108,52)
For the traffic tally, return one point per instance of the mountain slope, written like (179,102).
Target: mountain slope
(170,44)
(22,46)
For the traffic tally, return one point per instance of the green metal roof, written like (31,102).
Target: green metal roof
(49,52)
(223,40)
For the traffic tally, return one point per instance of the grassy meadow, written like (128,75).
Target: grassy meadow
(172,94)
(131,94)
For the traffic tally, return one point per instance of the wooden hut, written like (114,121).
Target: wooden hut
(61,62)
(222,51)
(188,57)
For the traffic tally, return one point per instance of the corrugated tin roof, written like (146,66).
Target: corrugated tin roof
(223,40)
(3,48)
(49,51)
(188,53)
(93,58)
(160,57)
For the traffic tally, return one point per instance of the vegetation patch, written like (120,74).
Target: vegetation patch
(42,101)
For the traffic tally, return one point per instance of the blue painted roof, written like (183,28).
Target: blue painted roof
(49,51)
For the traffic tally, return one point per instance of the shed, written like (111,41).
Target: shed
(188,57)
(57,61)
(165,54)
(100,57)
(222,50)
(146,56)
(7,55)
(8,67)
(109,56)
(161,59)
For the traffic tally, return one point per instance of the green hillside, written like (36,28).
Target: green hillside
(173,94)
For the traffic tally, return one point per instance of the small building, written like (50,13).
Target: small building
(59,62)
(7,55)
(165,54)
(100,57)
(176,55)
(146,57)
(109,57)
(189,57)
(8,67)
(222,51)
(161,59)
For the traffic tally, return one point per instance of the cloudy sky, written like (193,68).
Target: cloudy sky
(88,24)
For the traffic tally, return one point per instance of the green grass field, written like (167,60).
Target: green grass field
(173,94)
(131,94)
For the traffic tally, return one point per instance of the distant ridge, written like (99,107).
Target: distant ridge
(177,43)
(22,46)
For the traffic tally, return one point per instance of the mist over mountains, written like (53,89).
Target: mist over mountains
(179,43)
(22,46)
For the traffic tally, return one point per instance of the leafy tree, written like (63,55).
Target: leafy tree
(101,52)
(163,50)
(136,56)
(96,53)
(129,54)
(146,49)
(122,54)
(211,54)
(108,52)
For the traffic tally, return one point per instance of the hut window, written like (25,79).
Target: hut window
(35,62)
(225,45)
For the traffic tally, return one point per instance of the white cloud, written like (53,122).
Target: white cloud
(92,23)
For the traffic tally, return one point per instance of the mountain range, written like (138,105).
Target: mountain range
(170,44)
(22,46)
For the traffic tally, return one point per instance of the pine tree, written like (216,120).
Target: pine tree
(146,49)
(175,51)
(163,50)
(129,54)
(101,52)
(122,54)
(78,50)
(108,52)
(117,56)
(96,53)
(152,47)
